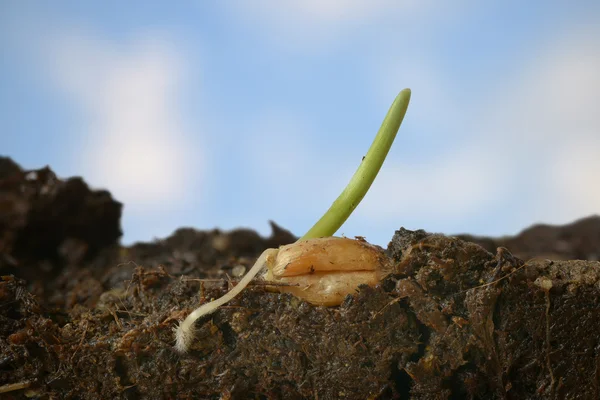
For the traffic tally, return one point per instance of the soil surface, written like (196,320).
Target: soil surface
(82,317)
(579,240)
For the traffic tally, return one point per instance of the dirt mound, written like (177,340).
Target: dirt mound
(579,240)
(46,219)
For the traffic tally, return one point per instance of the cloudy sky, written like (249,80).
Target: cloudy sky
(228,114)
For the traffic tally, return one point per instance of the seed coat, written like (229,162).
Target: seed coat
(324,271)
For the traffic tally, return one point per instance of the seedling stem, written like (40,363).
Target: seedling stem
(364,176)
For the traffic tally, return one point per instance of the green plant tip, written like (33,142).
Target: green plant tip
(364,176)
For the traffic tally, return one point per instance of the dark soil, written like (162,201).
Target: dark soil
(82,317)
(579,240)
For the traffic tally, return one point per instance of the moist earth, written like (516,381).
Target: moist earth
(83,317)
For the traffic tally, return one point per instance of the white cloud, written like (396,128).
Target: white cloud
(133,142)
(314,24)
(334,11)
(573,177)
(555,97)
(547,122)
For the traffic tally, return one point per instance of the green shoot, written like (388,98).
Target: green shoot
(329,223)
(364,176)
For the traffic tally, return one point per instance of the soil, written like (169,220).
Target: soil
(82,317)
(579,240)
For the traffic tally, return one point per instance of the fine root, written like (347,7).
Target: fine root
(185,332)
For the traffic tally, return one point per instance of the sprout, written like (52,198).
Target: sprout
(364,176)
(329,223)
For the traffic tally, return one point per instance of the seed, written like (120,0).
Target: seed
(323,271)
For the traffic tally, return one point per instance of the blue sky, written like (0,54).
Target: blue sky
(228,114)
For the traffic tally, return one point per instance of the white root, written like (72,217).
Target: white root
(185,333)
(14,386)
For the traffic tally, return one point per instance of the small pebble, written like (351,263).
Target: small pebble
(238,271)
